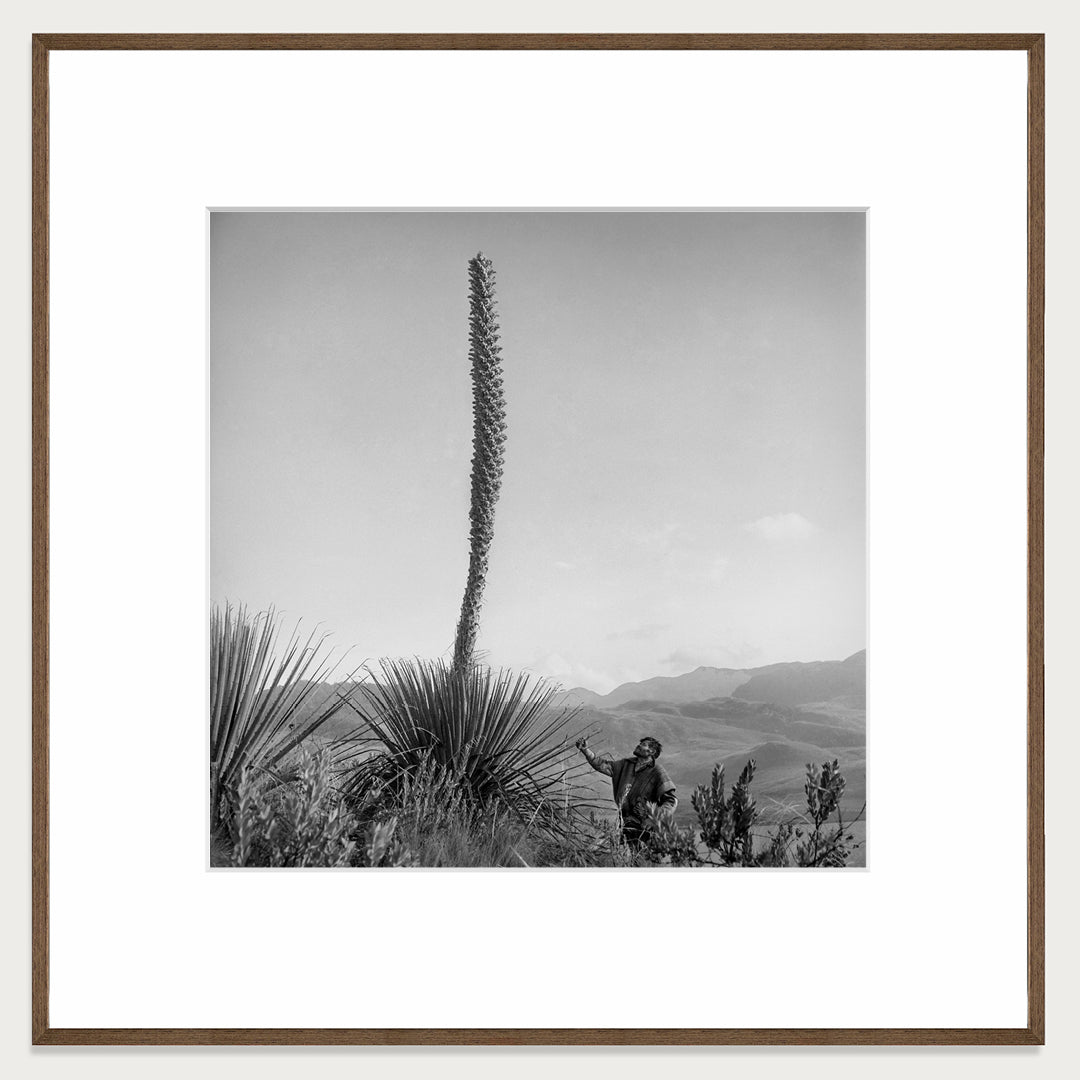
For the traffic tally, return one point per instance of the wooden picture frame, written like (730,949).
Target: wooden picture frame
(1032,1034)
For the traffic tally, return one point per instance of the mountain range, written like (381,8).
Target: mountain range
(782,684)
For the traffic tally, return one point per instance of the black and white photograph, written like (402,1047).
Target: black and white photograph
(537,539)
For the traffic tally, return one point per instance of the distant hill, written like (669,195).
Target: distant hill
(704,682)
(782,684)
(697,685)
(804,684)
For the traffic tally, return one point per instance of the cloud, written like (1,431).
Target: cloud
(560,565)
(683,660)
(782,528)
(571,674)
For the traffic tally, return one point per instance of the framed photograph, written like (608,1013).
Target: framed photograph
(510,507)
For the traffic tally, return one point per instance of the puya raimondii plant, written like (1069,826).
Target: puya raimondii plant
(475,743)
(489,438)
(498,738)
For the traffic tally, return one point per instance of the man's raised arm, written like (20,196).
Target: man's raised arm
(600,764)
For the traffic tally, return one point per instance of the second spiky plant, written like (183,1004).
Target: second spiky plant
(489,437)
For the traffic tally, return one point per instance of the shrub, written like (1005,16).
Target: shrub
(726,825)
(824,847)
(305,822)
(665,842)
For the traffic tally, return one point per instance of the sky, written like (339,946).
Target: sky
(685,467)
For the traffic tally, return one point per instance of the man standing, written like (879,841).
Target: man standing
(635,781)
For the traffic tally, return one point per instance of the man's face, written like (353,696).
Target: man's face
(643,750)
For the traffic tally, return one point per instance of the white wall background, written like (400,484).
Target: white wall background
(1062,520)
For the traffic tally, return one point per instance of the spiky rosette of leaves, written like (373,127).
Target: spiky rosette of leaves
(262,696)
(493,737)
(489,438)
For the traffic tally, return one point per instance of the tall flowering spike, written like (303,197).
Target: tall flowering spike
(489,437)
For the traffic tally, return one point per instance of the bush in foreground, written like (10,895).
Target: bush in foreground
(306,822)
(726,836)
